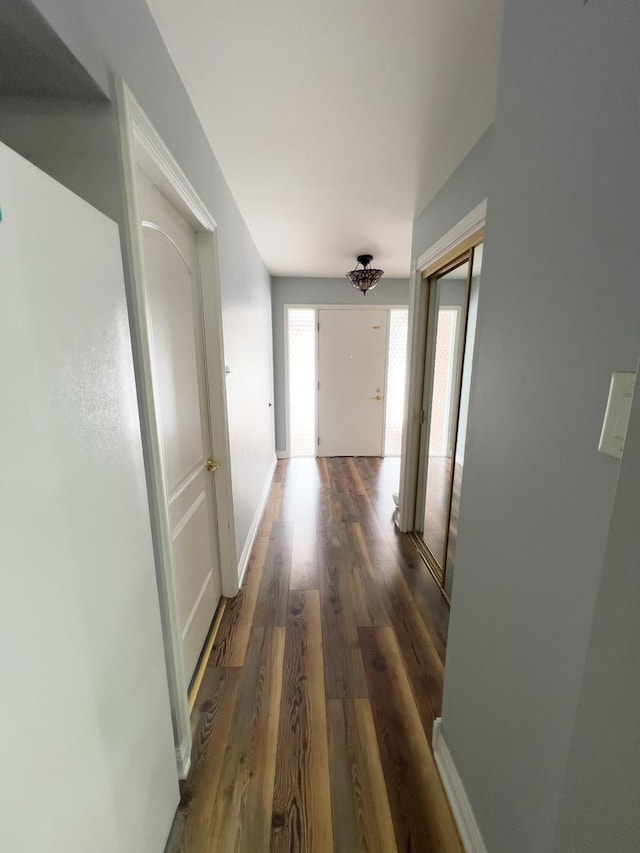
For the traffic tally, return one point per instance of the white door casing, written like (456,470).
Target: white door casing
(141,145)
(172,282)
(418,311)
(84,699)
(352,350)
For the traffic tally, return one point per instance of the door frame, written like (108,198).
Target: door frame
(315,307)
(467,232)
(140,144)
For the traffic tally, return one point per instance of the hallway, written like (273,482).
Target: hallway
(313,721)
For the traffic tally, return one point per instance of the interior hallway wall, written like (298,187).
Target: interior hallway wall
(558,312)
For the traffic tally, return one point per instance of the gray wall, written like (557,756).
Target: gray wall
(80,148)
(558,311)
(318,291)
(599,809)
(464,190)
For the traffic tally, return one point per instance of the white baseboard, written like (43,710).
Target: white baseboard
(183,758)
(243,562)
(462,812)
(282,454)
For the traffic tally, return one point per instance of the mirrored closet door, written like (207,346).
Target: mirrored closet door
(453,299)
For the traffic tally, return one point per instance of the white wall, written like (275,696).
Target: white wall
(564,208)
(88,760)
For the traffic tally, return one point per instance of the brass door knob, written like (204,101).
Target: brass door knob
(212,465)
(377,397)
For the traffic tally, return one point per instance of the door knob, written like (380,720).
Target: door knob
(377,397)
(212,465)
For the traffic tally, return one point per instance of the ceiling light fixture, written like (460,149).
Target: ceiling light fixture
(366,278)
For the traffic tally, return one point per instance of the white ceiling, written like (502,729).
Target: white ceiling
(336,121)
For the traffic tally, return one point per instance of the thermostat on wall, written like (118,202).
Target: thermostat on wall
(616,417)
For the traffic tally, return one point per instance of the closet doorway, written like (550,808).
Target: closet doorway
(452,299)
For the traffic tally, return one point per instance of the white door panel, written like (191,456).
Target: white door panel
(352,346)
(192,548)
(83,695)
(172,316)
(172,284)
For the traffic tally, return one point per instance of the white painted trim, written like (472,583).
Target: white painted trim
(370,306)
(194,609)
(186,518)
(282,454)
(140,145)
(184,485)
(183,757)
(465,819)
(418,314)
(255,524)
(467,226)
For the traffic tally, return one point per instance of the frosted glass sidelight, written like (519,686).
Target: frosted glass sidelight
(396,373)
(301,364)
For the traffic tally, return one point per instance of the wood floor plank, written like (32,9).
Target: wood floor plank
(419,809)
(271,606)
(304,555)
(242,811)
(361,814)
(368,602)
(301,818)
(386,544)
(231,642)
(215,709)
(343,669)
(273,508)
(422,662)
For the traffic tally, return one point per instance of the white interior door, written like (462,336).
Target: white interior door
(83,695)
(180,388)
(352,346)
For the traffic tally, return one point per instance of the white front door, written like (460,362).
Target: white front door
(180,387)
(352,346)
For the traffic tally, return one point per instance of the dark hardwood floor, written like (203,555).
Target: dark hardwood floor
(312,727)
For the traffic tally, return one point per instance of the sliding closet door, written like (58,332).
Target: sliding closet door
(452,293)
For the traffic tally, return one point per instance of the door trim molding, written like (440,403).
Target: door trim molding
(468,225)
(140,144)
(464,817)
(430,260)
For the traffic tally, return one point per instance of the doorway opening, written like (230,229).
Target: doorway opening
(345,372)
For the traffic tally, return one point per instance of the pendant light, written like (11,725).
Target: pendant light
(366,278)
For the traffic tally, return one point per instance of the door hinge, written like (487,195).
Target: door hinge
(318,326)
(318,439)
(423,416)
(318,386)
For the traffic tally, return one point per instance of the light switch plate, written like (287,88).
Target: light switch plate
(616,417)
